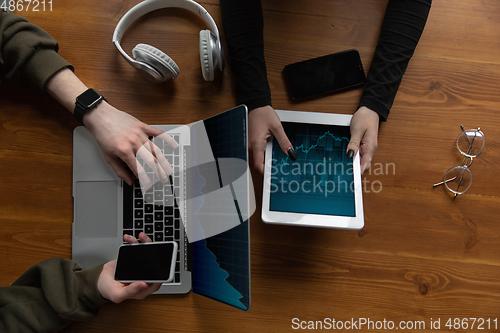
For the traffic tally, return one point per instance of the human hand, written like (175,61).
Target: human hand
(122,137)
(116,291)
(264,122)
(364,134)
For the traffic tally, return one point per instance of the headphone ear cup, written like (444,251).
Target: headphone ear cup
(206,56)
(156,59)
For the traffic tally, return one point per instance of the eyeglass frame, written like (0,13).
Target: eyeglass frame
(466,162)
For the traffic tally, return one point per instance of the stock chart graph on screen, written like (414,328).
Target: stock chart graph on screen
(321,180)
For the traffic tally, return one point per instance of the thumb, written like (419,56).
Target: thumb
(284,142)
(120,170)
(132,290)
(354,142)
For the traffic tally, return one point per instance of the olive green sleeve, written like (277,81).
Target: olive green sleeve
(28,54)
(49,296)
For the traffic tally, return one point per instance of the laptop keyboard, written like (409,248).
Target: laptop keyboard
(155,212)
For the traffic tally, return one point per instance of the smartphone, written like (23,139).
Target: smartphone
(148,262)
(327,74)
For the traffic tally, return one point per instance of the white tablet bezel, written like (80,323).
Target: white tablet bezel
(313,220)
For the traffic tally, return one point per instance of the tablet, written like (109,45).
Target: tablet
(322,188)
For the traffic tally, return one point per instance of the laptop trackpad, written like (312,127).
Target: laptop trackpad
(96,209)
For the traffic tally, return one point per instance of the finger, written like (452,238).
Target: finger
(110,266)
(157,167)
(169,140)
(153,131)
(166,167)
(130,239)
(120,170)
(368,148)
(151,288)
(365,162)
(258,153)
(156,132)
(366,152)
(285,144)
(144,180)
(129,160)
(354,143)
(151,154)
(144,238)
(132,291)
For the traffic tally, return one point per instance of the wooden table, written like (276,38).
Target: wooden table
(421,256)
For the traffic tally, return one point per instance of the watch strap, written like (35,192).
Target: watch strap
(79,112)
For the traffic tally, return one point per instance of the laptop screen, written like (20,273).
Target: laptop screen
(220,235)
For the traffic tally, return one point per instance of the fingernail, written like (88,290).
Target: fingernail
(350,153)
(291,154)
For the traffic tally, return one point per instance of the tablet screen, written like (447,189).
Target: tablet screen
(321,180)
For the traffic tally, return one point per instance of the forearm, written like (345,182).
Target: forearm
(65,87)
(403,24)
(243,27)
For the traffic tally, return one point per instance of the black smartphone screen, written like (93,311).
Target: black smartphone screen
(150,262)
(326,74)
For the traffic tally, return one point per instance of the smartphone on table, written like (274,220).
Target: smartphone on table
(327,74)
(149,262)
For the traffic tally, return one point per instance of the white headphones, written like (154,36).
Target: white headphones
(155,65)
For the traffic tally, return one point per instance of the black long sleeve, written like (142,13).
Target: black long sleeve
(402,27)
(243,26)
(403,24)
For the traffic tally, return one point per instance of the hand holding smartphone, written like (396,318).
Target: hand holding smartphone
(147,262)
(327,74)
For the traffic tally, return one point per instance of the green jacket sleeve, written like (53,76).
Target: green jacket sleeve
(28,54)
(49,296)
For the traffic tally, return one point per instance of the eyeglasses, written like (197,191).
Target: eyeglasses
(470,143)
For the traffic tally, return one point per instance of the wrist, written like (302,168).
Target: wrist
(64,86)
(368,112)
(264,107)
(93,116)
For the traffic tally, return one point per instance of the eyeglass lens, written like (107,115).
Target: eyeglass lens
(470,142)
(459,179)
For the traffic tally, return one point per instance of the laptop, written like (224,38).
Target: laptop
(205,206)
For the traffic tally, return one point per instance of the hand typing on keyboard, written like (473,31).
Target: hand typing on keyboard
(122,137)
(153,156)
(116,291)
(119,135)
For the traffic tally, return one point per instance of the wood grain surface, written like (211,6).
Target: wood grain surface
(421,256)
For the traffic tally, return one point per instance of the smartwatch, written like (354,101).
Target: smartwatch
(86,101)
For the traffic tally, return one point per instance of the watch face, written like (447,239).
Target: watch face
(89,98)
